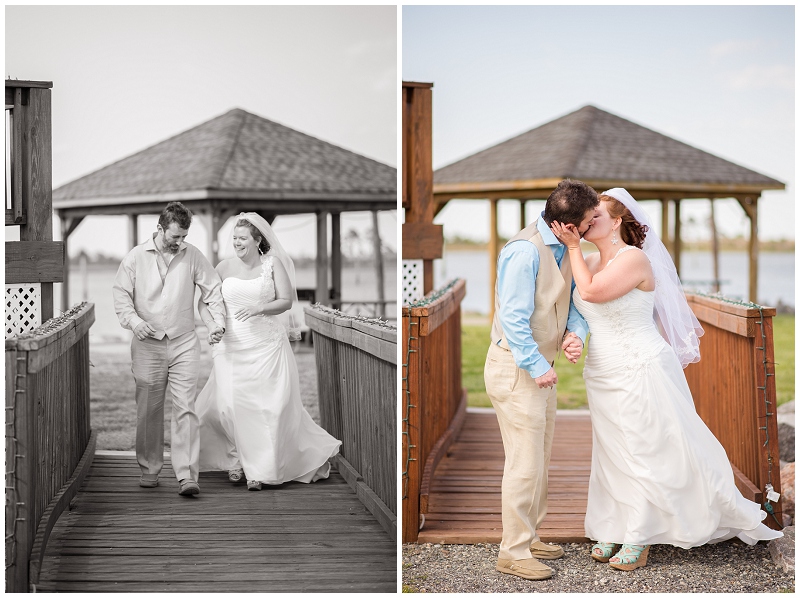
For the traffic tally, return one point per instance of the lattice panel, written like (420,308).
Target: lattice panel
(412,281)
(23,307)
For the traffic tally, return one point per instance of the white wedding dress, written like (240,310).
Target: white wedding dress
(250,411)
(659,476)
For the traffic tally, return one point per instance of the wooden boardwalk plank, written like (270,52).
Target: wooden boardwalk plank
(464,503)
(119,537)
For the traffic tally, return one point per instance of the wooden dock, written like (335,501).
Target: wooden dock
(291,538)
(464,502)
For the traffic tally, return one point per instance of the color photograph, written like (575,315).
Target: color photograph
(598,299)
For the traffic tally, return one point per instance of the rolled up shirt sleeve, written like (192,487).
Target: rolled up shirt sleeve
(517,267)
(575,321)
(122,292)
(210,285)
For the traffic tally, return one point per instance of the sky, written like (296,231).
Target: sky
(127,77)
(720,78)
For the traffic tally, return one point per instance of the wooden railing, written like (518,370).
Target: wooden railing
(376,308)
(49,442)
(434,401)
(369,309)
(356,362)
(733,386)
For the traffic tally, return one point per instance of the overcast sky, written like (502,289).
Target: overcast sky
(127,77)
(720,78)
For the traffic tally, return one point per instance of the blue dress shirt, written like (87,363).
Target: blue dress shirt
(517,267)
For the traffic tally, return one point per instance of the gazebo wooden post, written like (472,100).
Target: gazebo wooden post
(665,223)
(676,243)
(521,214)
(336,260)
(268,216)
(68,225)
(65,284)
(714,246)
(214,224)
(494,250)
(749,204)
(377,250)
(133,230)
(322,293)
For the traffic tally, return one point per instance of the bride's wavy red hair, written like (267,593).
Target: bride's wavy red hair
(631,230)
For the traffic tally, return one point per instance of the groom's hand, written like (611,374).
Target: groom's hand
(573,347)
(547,380)
(144,330)
(215,335)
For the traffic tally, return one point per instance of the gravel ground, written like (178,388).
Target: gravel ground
(726,567)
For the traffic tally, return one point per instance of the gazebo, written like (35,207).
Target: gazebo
(237,162)
(604,151)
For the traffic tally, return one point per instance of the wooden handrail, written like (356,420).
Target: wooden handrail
(434,398)
(48,434)
(733,386)
(356,362)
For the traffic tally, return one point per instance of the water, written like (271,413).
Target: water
(775,276)
(358,284)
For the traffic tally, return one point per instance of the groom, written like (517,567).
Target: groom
(533,311)
(154,297)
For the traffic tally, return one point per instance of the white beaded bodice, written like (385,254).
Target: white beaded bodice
(240,293)
(623,333)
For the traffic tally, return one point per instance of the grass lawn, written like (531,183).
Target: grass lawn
(571,391)
(475,343)
(783,334)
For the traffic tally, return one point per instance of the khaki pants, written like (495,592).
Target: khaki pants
(527,417)
(159,366)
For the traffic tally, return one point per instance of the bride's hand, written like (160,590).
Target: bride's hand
(566,233)
(247,312)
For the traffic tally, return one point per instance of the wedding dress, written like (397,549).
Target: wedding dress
(659,476)
(250,411)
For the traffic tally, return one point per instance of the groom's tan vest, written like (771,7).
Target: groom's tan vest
(550,300)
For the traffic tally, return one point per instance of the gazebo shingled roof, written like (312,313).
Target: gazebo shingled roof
(233,154)
(236,162)
(595,146)
(604,151)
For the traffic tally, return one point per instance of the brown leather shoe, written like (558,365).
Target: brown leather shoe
(525,568)
(547,552)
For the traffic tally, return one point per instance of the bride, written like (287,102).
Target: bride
(659,476)
(252,420)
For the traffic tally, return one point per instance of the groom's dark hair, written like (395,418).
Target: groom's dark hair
(175,212)
(569,202)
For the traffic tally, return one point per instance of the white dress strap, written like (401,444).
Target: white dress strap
(621,250)
(267,284)
(266,265)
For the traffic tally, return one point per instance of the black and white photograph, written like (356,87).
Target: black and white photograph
(201,298)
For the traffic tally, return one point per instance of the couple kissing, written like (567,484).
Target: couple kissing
(548,298)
